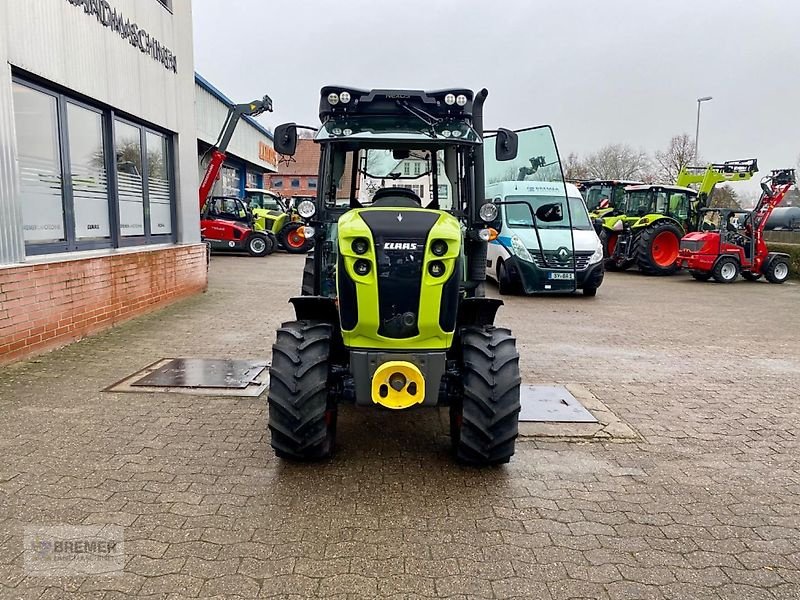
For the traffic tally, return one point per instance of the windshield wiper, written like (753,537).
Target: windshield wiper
(426,118)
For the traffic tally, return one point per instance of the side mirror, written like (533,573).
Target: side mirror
(598,225)
(550,213)
(506,145)
(285,141)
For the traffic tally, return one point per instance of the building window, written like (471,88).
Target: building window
(312,183)
(252,180)
(406,168)
(419,190)
(417,168)
(231,181)
(295,183)
(68,160)
(39,151)
(444,191)
(277,183)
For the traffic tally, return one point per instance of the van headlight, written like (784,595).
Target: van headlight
(597,256)
(519,249)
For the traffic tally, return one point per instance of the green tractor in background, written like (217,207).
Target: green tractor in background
(604,197)
(272,212)
(646,229)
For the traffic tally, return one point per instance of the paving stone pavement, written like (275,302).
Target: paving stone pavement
(706,505)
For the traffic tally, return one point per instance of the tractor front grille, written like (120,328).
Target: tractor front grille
(557,260)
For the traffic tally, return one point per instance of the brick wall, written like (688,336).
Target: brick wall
(48,305)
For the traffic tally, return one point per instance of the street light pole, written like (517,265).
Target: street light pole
(697,130)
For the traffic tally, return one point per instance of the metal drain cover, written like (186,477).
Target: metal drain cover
(553,404)
(203,373)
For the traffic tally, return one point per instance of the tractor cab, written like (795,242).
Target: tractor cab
(649,201)
(393,312)
(227,208)
(604,197)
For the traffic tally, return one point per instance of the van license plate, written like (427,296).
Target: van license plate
(568,276)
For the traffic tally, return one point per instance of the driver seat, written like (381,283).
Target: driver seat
(396,197)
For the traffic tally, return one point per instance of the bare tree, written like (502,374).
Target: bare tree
(679,154)
(575,168)
(724,196)
(617,161)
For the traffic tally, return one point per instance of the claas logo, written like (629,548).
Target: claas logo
(399,246)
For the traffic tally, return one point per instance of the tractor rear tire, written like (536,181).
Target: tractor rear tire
(726,270)
(293,242)
(700,275)
(778,270)
(260,244)
(484,422)
(657,251)
(307,287)
(302,419)
(506,285)
(750,276)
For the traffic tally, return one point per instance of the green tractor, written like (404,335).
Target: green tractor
(272,212)
(646,228)
(604,197)
(393,314)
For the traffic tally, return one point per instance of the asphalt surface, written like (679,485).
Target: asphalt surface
(706,505)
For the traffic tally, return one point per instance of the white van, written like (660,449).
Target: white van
(532,259)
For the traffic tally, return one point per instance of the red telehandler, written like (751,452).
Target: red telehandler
(226,223)
(730,241)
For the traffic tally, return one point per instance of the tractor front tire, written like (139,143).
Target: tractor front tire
(658,245)
(726,270)
(302,419)
(778,270)
(700,275)
(484,422)
(506,285)
(609,241)
(292,241)
(259,244)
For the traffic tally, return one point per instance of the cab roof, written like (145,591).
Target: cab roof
(659,186)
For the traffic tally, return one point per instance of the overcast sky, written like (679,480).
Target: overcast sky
(598,71)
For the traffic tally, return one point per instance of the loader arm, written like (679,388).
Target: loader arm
(235,113)
(706,178)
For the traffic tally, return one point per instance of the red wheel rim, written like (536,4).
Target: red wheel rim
(295,240)
(665,249)
(612,244)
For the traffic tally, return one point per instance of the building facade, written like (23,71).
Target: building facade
(298,176)
(99,218)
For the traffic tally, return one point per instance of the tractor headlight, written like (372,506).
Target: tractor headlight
(360,246)
(333,98)
(439,247)
(344,97)
(519,249)
(436,268)
(361,267)
(461,100)
(450,99)
(306,209)
(488,212)
(597,256)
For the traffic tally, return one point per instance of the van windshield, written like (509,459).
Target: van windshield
(518,215)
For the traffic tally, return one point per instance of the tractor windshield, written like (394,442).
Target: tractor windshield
(262,199)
